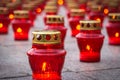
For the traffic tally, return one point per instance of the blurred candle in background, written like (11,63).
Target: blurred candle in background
(75,16)
(4,20)
(113,28)
(21,25)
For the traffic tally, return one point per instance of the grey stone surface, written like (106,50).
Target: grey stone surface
(14,63)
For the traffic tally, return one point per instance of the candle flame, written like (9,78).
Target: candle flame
(60,2)
(19,30)
(88,47)
(1,25)
(113,17)
(98,19)
(38,10)
(106,11)
(13,0)
(116,34)
(11,16)
(44,66)
(78,27)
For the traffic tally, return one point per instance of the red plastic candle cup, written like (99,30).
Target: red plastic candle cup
(50,10)
(113,28)
(11,7)
(75,16)
(70,6)
(40,7)
(32,13)
(96,13)
(56,22)
(82,4)
(90,41)
(21,25)
(46,57)
(4,20)
(113,7)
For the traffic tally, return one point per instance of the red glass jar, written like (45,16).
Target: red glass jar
(90,41)
(56,22)
(82,4)
(41,6)
(4,20)
(32,13)
(75,16)
(113,7)
(96,13)
(46,57)
(11,7)
(89,5)
(71,6)
(21,25)
(105,7)
(113,28)
(50,10)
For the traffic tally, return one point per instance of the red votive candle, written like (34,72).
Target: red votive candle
(32,13)
(82,4)
(113,28)
(56,22)
(113,7)
(96,13)
(11,7)
(21,25)
(75,16)
(50,10)
(4,20)
(90,41)
(70,6)
(46,57)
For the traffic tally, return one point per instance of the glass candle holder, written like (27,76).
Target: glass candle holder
(32,13)
(113,28)
(11,7)
(90,41)
(21,25)
(56,22)
(50,10)
(113,7)
(40,6)
(4,20)
(75,16)
(70,6)
(46,57)
(96,13)
(82,4)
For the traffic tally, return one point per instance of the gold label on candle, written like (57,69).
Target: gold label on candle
(3,10)
(114,16)
(54,19)
(11,5)
(21,14)
(46,37)
(50,9)
(96,8)
(77,12)
(90,25)
(27,6)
